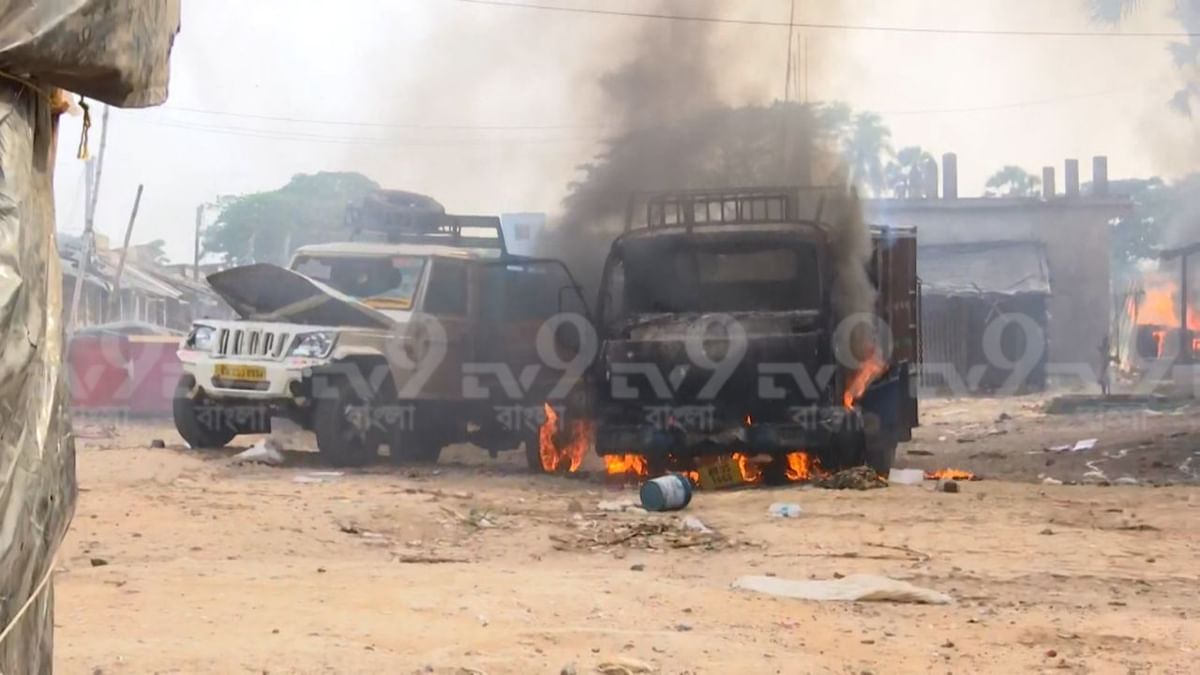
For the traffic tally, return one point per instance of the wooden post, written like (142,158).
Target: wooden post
(196,258)
(1185,338)
(116,289)
(91,194)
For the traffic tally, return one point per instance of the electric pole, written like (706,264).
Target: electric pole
(91,194)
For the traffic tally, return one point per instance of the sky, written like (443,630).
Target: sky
(491,109)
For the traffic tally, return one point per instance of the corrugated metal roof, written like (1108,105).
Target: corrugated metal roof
(1001,268)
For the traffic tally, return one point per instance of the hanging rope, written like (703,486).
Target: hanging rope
(82,152)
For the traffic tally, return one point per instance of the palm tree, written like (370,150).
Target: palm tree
(864,147)
(906,177)
(1013,181)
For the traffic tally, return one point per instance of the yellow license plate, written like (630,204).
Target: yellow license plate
(229,371)
(722,474)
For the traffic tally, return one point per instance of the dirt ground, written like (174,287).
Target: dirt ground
(181,562)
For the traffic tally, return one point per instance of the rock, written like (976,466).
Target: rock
(98,562)
(947,486)
(1050,653)
(1047,532)
(574,506)
(1004,417)
(320,570)
(948,645)
(158,444)
(694,524)
(683,627)
(638,567)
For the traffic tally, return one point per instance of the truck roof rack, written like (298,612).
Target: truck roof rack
(724,206)
(409,218)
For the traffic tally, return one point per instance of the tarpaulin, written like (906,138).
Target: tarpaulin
(115,51)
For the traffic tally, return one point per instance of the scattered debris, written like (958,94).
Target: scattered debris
(620,506)
(1051,481)
(158,444)
(784,510)
(906,477)
(858,478)
(657,534)
(263,452)
(1004,417)
(637,568)
(947,486)
(98,562)
(315,477)
(919,453)
(419,559)
(574,506)
(853,588)
(625,666)
(1126,480)
(96,431)
(694,524)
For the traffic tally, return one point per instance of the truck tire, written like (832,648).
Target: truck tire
(341,422)
(199,433)
(533,454)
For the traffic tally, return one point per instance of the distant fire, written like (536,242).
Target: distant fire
(626,466)
(559,453)
(802,466)
(950,474)
(1156,311)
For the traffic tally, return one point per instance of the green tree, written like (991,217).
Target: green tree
(906,176)
(1186,54)
(865,148)
(1013,181)
(263,226)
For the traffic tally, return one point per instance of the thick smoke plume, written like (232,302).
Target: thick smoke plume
(673,131)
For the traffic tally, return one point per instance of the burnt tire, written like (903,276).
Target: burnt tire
(199,431)
(344,439)
(533,454)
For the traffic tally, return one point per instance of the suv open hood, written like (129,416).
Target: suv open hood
(265,292)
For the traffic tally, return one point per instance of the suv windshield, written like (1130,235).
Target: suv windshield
(694,278)
(382,282)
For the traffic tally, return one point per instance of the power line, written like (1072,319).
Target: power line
(284,135)
(920,30)
(380,125)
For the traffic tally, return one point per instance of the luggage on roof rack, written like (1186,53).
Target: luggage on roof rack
(397,217)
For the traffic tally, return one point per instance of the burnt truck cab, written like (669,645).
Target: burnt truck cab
(717,330)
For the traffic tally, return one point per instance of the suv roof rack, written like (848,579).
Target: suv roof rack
(409,218)
(722,206)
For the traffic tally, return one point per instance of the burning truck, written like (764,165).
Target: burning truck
(741,342)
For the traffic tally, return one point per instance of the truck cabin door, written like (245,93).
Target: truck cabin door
(522,300)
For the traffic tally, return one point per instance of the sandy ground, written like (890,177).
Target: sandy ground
(179,562)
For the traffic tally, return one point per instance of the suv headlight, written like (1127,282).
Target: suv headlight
(313,345)
(201,338)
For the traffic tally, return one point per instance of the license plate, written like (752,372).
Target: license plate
(721,474)
(228,371)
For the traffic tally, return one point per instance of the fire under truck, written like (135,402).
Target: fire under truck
(718,335)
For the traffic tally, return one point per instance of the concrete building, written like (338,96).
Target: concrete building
(1070,230)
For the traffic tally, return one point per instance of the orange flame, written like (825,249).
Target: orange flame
(569,457)
(950,474)
(627,466)
(802,466)
(751,472)
(872,367)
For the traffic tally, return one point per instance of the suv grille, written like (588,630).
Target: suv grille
(261,344)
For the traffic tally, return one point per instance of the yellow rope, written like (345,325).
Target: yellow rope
(32,596)
(82,152)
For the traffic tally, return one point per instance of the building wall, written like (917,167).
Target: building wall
(1075,234)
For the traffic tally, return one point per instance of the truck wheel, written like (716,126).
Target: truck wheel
(202,427)
(342,423)
(880,453)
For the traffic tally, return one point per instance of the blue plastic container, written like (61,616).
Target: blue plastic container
(671,492)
